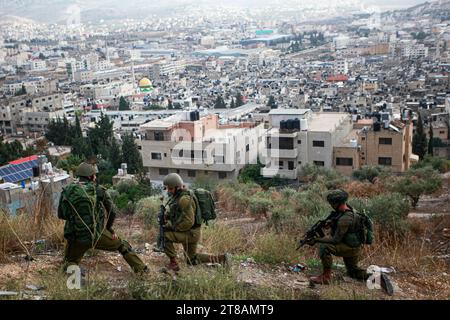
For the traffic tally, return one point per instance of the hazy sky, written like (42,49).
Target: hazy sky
(51,10)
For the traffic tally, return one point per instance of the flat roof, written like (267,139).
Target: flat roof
(288,111)
(327,121)
(158,124)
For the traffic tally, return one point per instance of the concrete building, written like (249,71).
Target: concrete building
(298,137)
(387,144)
(341,67)
(195,147)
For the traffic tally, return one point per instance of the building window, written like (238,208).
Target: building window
(156,156)
(219,159)
(363,138)
(163,172)
(441,132)
(285,143)
(384,161)
(344,161)
(291,165)
(222,175)
(159,136)
(385,141)
(280,164)
(318,143)
(206,173)
(181,153)
(319,163)
(299,141)
(247,148)
(191,173)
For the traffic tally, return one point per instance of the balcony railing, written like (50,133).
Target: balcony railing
(283,153)
(272,172)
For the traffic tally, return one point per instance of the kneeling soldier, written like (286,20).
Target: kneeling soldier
(181,226)
(89,213)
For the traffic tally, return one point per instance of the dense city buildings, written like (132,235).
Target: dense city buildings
(332,92)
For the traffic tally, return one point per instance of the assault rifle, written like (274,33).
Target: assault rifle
(316,231)
(161,240)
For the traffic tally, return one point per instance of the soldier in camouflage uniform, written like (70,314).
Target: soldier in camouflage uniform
(343,241)
(89,213)
(181,227)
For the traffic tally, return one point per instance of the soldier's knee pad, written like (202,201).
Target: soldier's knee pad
(125,248)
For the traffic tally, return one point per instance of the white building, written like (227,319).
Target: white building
(341,67)
(298,137)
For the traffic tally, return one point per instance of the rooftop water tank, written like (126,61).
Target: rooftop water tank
(303,124)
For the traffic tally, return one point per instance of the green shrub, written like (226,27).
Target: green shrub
(330,177)
(124,185)
(417,182)
(369,173)
(205,183)
(275,248)
(260,203)
(437,163)
(389,210)
(148,209)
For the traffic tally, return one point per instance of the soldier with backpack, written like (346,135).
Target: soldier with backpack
(186,210)
(350,230)
(89,214)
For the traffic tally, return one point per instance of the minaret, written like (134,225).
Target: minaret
(133,75)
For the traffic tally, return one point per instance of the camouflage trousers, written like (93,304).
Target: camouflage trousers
(350,255)
(75,251)
(189,240)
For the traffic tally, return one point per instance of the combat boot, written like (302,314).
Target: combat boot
(324,278)
(223,259)
(173,265)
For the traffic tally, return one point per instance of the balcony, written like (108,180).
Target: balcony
(283,153)
(272,172)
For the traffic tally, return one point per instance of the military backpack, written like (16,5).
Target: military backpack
(206,208)
(366,235)
(80,210)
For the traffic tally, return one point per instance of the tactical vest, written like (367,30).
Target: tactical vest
(175,211)
(352,236)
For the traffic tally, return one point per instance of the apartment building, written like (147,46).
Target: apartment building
(16,112)
(375,143)
(341,67)
(297,137)
(195,147)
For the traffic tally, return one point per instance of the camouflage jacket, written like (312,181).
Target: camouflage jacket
(345,228)
(181,212)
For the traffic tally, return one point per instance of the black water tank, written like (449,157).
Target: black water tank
(297,124)
(283,124)
(378,116)
(197,115)
(192,116)
(377,126)
(290,124)
(36,171)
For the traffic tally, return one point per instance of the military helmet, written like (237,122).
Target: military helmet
(85,170)
(173,180)
(338,196)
